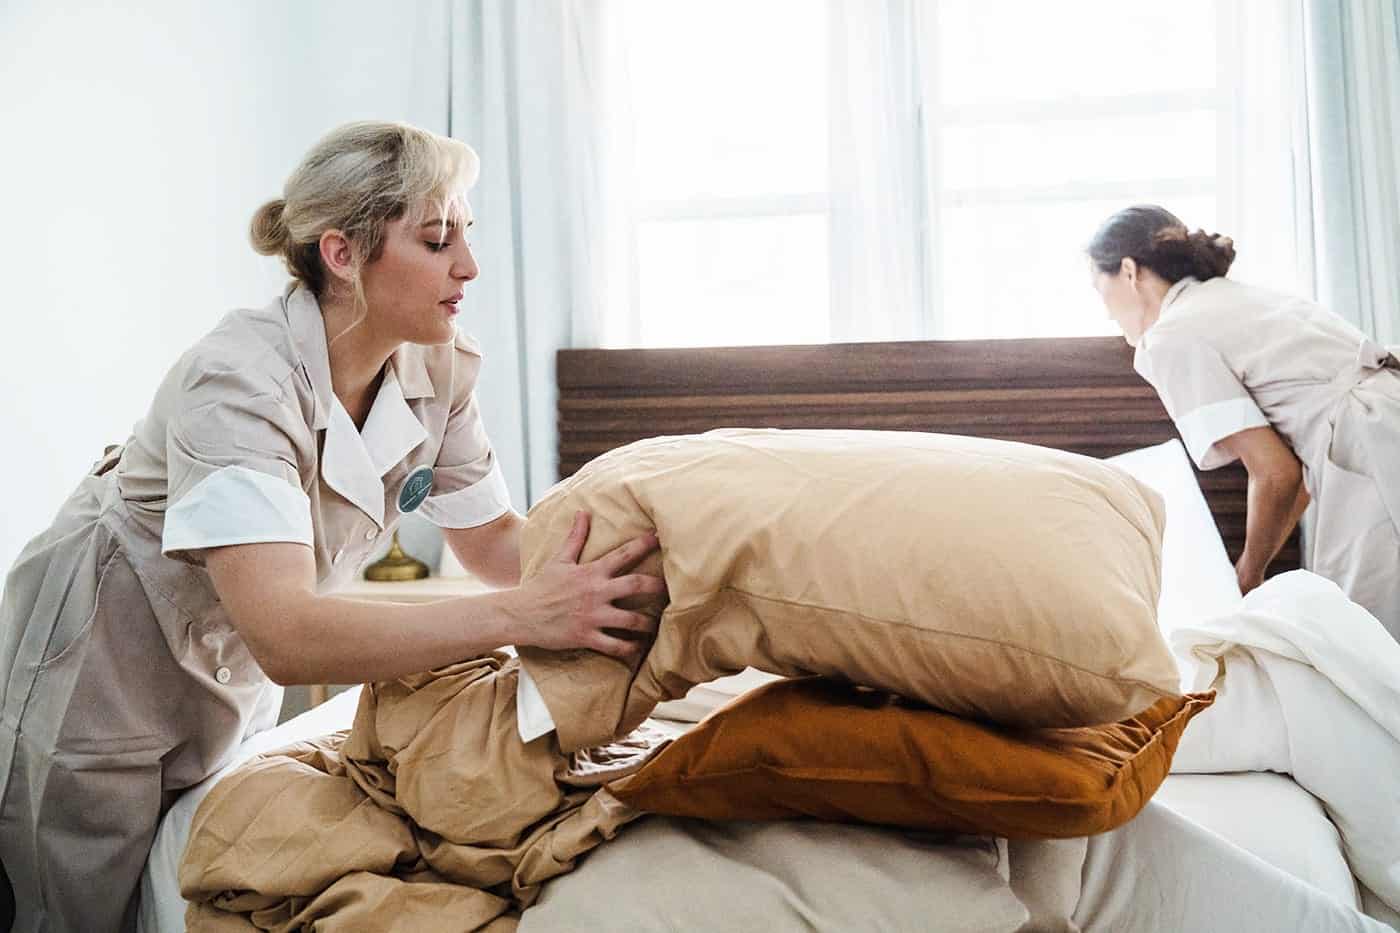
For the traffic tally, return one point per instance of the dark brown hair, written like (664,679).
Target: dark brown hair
(1153,237)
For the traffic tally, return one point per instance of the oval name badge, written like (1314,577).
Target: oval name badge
(415,489)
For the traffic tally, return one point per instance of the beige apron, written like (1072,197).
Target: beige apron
(1355,536)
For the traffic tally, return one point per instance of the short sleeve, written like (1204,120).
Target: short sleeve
(232,471)
(468,486)
(1201,393)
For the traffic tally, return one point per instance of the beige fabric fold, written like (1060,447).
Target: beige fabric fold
(429,814)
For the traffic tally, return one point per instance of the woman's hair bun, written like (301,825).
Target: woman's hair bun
(1213,253)
(267,231)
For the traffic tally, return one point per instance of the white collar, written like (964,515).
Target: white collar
(353,462)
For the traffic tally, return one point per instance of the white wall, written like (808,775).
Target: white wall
(136,140)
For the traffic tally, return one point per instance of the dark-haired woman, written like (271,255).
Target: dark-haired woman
(1309,403)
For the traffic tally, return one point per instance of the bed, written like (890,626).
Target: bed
(1247,850)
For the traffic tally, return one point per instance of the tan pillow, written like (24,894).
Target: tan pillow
(1001,581)
(818,748)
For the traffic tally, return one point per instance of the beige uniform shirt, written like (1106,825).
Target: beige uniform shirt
(1225,357)
(123,678)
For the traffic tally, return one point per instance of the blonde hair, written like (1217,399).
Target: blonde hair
(357,179)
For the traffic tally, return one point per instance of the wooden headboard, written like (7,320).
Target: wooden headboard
(1079,394)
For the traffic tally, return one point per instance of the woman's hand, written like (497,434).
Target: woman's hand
(571,605)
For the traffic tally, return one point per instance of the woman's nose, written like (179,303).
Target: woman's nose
(465,268)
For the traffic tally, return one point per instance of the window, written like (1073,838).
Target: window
(1044,125)
(1035,126)
(731,162)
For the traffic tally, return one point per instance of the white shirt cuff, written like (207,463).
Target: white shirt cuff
(236,505)
(532,717)
(1202,428)
(483,501)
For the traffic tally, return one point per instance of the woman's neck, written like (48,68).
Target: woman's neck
(357,356)
(1153,289)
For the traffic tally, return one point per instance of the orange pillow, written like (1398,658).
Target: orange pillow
(815,747)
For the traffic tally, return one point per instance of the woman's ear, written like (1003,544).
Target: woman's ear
(338,255)
(1129,270)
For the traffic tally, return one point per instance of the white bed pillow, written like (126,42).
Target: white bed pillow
(1198,580)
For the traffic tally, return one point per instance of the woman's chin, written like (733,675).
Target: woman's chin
(436,337)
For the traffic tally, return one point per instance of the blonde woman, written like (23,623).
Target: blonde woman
(143,634)
(1306,401)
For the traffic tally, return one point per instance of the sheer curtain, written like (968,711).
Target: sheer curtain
(1353,98)
(528,81)
(1265,193)
(878,209)
(1300,166)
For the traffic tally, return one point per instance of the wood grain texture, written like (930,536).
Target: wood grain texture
(1077,394)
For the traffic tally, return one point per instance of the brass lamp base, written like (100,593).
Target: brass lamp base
(396,566)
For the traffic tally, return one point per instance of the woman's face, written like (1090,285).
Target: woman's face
(1126,304)
(412,287)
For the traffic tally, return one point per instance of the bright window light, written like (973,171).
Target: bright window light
(1039,120)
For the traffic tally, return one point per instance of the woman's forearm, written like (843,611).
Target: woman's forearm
(337,640)
(298,636)
(1275,503)
(1301,501)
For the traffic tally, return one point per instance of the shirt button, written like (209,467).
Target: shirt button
(338,555)
(369,535)
(223,675)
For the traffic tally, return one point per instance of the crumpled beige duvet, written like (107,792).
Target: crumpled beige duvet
(429,814)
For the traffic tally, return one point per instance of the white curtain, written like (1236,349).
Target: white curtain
(540,88)
(525,92)
(1353,97)
(1266,203)
(879,247)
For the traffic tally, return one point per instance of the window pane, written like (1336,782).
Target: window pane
(1011,50)
(727,282)
(729,97)
(1019,270)
(1058,152)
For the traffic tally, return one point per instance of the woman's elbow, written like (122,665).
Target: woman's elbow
(275,647)
(1290,474)
(278,664)
(1284,477)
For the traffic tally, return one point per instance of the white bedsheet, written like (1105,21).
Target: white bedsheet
(1269,816)
(1309,685)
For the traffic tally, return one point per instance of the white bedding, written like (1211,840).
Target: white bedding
(1309,685)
